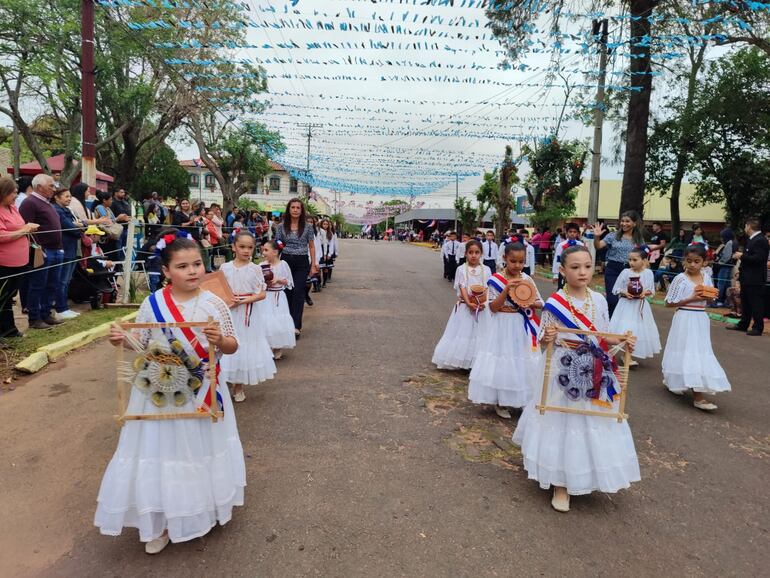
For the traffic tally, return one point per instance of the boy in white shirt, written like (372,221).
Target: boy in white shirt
(449,252)
(490,251)
(573,232)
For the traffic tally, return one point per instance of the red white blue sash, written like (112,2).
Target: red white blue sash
(165,311)
(531,321)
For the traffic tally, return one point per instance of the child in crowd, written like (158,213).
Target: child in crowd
(253,363)
(461,250)
(529,267)
(174,479)
(490,251)
(573,234)
(279,327)
(449,252)
(689,361)
(508,357)
(633,312)
(470,316)
(577,453)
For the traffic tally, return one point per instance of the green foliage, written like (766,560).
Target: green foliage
(731,156)
(248,205)
(556,170)
(161,173)
(487,194)
(339,221)
(503,202)
(466,215)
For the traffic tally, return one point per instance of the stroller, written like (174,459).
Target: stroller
(93,283)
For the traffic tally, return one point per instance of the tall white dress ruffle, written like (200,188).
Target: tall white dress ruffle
(635,315)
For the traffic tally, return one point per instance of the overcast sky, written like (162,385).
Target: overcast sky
(346,153)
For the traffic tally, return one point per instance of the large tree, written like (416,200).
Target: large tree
(236,154)
(487,194)
(161,173)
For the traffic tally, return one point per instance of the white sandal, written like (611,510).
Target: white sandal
(705,405)
(560,503)
(502,412)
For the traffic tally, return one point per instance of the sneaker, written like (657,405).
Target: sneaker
(39,324)
(51,320)
(65,315)
(502,412)
(157,545)
(277,354)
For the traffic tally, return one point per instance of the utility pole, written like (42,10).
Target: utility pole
(88,94)
(309,126)
(457,197)
(600,34)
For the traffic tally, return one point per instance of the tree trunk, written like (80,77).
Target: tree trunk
(127,163)
(632,191)
(676,188)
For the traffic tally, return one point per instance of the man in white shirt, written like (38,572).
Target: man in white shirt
(449,253)
(461,250)
(573,232)
(490,251)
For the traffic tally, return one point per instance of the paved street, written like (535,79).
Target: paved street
(362,460)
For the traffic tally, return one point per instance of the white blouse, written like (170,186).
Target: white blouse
(647,279)
(682,288)
(246,279)
(467,276)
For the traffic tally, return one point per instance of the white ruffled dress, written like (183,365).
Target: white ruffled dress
(457,347)
(506,364)
(635,315)
(181,475)
(279,326)
(579,452)
(253,362)
(688,360)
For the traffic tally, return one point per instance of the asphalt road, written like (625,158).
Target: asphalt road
(362,460)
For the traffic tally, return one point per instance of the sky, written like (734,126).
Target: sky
(349,149)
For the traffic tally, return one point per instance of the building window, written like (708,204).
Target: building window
(293,186)
(194,180)
(210,181)
(275,183)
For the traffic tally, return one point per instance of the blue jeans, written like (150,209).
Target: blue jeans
(44,284)
(63,288)
(724,278)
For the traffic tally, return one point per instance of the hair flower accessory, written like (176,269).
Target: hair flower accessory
(166,240)
(645,249)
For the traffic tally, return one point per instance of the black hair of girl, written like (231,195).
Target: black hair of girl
(243,233)
(78,191)
(175,246)
(643,255)
(102,196)
(571,251)
(695,249)
(272,244)
(472,243)
(513,247)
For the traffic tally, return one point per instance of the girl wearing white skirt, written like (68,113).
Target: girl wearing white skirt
(175,479)
(508,357)
(575,453)
(470,316)
(253,362)
(633,313)
(689,361)
(279,327)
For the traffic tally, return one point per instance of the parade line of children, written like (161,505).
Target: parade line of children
(496,332)
(175,479)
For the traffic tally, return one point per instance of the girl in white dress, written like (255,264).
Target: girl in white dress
(689,361)
(253,362)
(175,479)
(633,313)
(470,315)
(279,327)
(576,453)
(508,357)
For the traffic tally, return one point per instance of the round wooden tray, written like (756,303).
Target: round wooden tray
(523,294)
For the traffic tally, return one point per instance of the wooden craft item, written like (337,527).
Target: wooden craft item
(478,290)
(622,377)
(523,294)
(216,282)
(202,413)
(706,292)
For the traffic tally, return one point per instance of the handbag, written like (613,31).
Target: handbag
(37,253)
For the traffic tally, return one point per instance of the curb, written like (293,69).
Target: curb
(55,351)
(600,289)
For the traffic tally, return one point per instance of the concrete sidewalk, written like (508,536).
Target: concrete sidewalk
(364,460)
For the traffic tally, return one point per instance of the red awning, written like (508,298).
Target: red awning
(56,164)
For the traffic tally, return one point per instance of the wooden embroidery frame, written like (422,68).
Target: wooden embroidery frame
(202,413)
(622,376)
